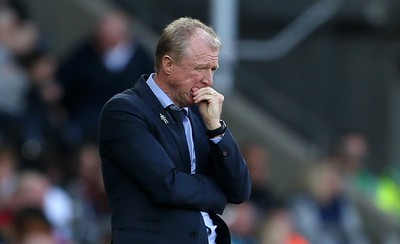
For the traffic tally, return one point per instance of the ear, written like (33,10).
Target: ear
(167,64)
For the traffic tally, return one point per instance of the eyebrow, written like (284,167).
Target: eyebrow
(206,65)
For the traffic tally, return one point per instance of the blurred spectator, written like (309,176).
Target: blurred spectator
(350,153)
(32,227)
(92,222)
(8,173)
(35,190)
(44,116)
(257,158)
(18,6)
(8,184)
(44,145)
(108,62)
(349,156)
(20,36)
(322,212)
(278,228)
(13,81)
(242,220)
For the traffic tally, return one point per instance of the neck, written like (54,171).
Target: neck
(160,81)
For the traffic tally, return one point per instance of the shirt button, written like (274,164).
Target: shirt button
(194,235)
(224,153)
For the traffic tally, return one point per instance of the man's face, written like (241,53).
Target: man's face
(193,72)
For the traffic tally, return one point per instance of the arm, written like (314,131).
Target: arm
(126,138)
(230,169)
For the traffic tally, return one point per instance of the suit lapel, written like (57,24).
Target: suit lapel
(165,118)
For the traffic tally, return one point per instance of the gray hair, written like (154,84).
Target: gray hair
(176,36)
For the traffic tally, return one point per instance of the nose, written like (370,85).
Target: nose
(208,77)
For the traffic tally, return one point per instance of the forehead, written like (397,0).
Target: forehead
(199,50)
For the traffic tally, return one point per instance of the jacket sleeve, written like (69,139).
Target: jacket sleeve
(230,169)
(125,139)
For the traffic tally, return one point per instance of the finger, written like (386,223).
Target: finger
(204,98)
(206,92)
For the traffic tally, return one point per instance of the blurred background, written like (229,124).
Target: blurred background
(312,95)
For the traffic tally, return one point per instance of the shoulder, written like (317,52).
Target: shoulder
(127,100)
(126,97)
(123,109)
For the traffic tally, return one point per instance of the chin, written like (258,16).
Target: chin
(189,102)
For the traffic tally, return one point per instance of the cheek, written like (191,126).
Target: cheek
(192,79)
(194,75)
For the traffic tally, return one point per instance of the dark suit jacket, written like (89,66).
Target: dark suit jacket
(153,196)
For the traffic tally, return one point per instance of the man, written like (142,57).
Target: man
(106,62)
(167,183)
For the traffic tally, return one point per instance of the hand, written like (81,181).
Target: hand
(210,105)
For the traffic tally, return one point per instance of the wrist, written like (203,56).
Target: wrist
(215,124)
(220,130)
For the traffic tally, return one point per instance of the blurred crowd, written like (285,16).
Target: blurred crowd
(320,207)
(51,189)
